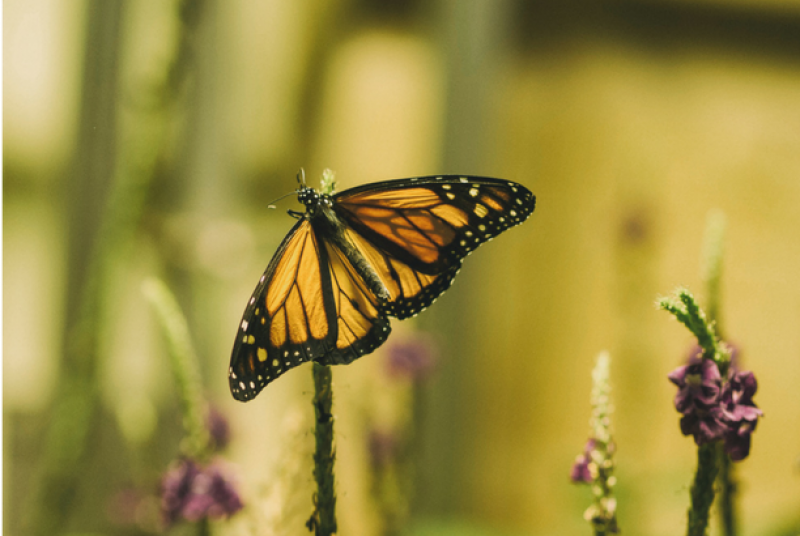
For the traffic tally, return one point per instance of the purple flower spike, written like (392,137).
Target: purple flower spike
(699,385)
(192,492)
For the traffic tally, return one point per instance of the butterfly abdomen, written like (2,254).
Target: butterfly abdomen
(328,226)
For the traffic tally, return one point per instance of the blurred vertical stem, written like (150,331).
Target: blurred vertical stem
(107,191)
(712,275)
(73,419)
(472,38)
(712,265)
(323,520)
(183,360)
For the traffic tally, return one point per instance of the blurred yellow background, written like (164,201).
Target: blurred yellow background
(630,121)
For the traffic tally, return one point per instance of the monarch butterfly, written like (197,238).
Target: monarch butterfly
(358,257)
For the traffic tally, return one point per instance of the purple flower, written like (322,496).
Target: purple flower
(737,440)
(412,358)
(699,385)
(581,472)
(193,492)
(740,413)
(737,397)
(705,425)
(713,411)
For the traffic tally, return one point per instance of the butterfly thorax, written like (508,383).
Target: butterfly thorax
(328,225)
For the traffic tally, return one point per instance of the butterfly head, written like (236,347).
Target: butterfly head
(311,198)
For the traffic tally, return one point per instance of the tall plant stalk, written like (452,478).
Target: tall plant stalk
(323,520)
(702,492)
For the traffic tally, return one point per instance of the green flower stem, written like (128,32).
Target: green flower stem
(323,520)
(204,527)
(183,360)
(702,490)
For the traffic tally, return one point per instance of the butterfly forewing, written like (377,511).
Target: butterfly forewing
(289,318)
(416,232)
(430,221)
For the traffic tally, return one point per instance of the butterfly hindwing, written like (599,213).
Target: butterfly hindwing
(361,325)
(410,291)
(290,318)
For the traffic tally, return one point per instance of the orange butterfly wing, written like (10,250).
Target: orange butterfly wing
(289,318)
(309,304)
(416,232)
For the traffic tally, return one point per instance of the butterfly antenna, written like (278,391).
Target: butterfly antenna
(272,204)
(301,181)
